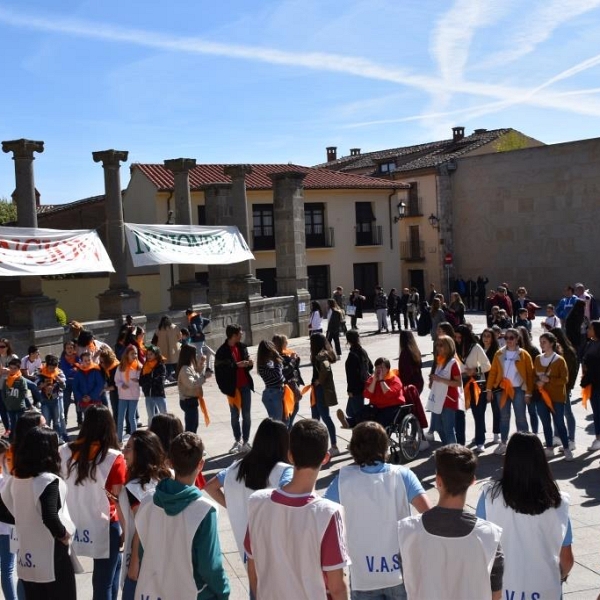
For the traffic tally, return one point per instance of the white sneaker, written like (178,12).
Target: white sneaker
(568,455)
(500,449)
(245,448)
(237,446)
(549,452)
(496,439)
(423,445)
(595,445)
(571,447)
(429,436)
(556,441)
(480,448)
(334,451)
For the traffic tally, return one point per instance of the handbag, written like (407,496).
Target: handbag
(351,310)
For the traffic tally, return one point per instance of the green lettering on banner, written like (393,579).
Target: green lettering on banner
(139,250)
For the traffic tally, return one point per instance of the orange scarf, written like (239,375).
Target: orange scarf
(236,400)
(546,398)
(508,391)
(313,396)
(191,316)
(71,359)
(289,401)
(94,449)
(44,372)
(204,410)
(473,386)
(91,367)
(134,365)
(115,363)
(586,394)
(10,380)
(149,366)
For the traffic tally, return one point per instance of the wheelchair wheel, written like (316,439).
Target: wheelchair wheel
(405,439)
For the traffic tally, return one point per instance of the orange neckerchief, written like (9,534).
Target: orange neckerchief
(149,366)
(94,449)
(71,359)
(9,458)
(508,391)
(115,363)
(313,396)
(586,394)
(191,316)
(236,400)
(473,386)
(287,352)
(91,367)
(289,401)
(10,379)
(134,365)
(546,398)
(44,372)
(204,410)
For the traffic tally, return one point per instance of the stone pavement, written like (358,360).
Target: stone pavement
(579,478)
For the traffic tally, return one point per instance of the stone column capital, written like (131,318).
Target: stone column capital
(110,158)
(237,171)
(292,175)
(180,165)
(23,148)
(216,186)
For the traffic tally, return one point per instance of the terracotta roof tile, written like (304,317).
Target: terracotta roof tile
(316,178)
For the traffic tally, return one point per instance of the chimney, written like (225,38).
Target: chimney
(331,153)
(479,130)
(13,197)
(458,133)
(354,151)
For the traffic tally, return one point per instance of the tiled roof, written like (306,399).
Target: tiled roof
(421,156)
(47,209)
(316,178)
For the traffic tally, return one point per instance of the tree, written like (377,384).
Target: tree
(513,140)
(8,211)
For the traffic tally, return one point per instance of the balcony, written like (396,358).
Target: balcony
(369,236)
(322,239)
(414,207)
(412,251)
(261,241)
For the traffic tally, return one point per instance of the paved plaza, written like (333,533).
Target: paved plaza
(580,478)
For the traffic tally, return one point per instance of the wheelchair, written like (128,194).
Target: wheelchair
(405,435)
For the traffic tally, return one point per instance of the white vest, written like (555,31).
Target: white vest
(286,546)
(373,503)
(35,556)
(439,391)
(128,526)
(169,576)
(237,494)
(531,545)
(89,506)
(441,568)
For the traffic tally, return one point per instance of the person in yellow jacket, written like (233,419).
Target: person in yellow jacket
(510,382)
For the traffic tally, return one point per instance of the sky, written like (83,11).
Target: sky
(278,81)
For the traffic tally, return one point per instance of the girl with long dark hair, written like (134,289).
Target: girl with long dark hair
(270,368)
(265,466)
(95,472)
(190,378)
(127,381)
(534,516)
(152,382)
(489,342)
(533,351)
(34,499)
(334,325)
(410,363)
(590,380)
(291,372)
(315,321)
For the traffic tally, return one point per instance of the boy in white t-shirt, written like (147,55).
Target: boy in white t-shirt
(551,321)
(295,540)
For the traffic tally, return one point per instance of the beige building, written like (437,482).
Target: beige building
(351,235)
(426,233)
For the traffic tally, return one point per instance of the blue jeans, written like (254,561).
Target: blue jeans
(520,413)
(321,411)
(129,586)
(569,417)
(460,427)
(191,415)
(533,416)
(13,417)
(272,398)
(558,417)
(129,406)
(478,411)
(444,424)
(397,592)
(242,433)
(7,569)
(51,412)
(155,405)
(107,571)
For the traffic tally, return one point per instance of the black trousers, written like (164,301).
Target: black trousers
(63,587)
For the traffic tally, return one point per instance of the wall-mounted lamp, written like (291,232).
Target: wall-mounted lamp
(401,212)
(170,218)
(434,221)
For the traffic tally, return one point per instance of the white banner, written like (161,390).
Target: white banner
(185,244)
(34,251)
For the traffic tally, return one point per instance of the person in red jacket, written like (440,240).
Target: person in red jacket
(385,392)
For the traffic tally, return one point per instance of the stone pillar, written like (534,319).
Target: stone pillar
(290,241)
(242,282)
(31,309)
(119,299)
(187,292)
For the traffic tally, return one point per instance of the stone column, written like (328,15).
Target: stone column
(187,292)
(290,241)
(119,299)
(31,309)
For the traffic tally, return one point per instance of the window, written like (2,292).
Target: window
(414,202)
(314,224)
(201,214)
(364,223)
(263,235)
(269,281)
(388,167)
(318,282)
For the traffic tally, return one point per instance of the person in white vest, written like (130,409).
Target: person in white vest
(375,496)
(35,501)
(95,472)
(180,513)
(448,553)
(296,542)
(534,516)
(146,467)
(7,555)
(263,467)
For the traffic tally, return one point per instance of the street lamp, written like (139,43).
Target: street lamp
(434,221)
(401,207)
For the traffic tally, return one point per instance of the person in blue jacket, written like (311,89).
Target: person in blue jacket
(88,383)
